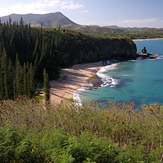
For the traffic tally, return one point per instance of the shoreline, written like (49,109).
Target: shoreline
(147,39)
(72,79)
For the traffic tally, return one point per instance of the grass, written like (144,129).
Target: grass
(39,97)
(67,133)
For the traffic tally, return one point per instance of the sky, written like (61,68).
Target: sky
(123,13)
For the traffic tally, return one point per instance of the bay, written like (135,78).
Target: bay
(139,81)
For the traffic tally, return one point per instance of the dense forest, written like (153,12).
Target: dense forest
(23,53)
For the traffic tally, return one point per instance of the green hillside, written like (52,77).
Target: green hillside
(57,20)
(46,20)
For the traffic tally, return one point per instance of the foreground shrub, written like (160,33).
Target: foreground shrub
(65,133)
(17,147)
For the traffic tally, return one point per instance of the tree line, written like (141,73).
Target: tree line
(15,79)
(24,57)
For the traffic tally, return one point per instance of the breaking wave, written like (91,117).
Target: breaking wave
(106,81)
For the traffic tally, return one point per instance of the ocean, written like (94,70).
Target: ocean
(139,81)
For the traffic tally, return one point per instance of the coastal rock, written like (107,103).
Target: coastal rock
(86,49)
(108,49)
(147,55)
(119,48)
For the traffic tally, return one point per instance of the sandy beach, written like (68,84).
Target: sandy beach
(72,79)
(147,39)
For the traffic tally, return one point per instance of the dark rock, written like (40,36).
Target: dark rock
(147,55)
(106,49)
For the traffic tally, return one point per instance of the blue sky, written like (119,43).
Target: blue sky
(124,13)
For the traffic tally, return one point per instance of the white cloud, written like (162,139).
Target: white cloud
(71,5)
(40,6)
(85,11)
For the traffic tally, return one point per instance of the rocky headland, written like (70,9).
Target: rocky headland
(86,49)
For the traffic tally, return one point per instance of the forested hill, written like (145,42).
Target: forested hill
(56,20)
(46,20)
(26,52)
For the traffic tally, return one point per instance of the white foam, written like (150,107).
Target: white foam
(128,75)
(159,56)
(139,58)
(108,80)
(76,94)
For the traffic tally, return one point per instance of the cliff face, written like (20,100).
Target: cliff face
(112,48)
(89,49)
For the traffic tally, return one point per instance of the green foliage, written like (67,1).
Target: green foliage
(15,81)
(137,34)
(46,86)
(16,147)
(87,134)
(39,97)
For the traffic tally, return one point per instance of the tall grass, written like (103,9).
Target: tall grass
(65,133)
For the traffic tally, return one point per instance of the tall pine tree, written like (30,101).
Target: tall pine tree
(18,84)
(46,86)
(4,64)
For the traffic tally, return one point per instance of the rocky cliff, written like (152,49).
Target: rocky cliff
(113,48)
(81,48)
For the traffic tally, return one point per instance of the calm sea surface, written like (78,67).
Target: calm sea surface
(140,81)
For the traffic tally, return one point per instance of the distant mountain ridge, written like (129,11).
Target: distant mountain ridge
(58,19)
(47,20)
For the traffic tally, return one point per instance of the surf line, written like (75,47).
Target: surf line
(106,81)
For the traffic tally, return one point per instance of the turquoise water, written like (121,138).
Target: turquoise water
(139,81)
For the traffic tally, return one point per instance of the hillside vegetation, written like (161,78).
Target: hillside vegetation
(145,33)
(57,19)
(25,52)
(47,20)
(63,133)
